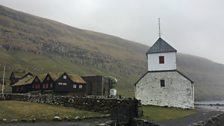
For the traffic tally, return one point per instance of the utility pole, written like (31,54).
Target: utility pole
(3,83)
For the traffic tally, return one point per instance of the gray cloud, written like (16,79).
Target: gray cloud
(191,26)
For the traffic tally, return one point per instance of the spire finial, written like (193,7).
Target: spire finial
(159,28)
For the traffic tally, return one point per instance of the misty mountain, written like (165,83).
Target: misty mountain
(31,43)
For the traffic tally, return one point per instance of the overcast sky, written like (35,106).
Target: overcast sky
(191,26)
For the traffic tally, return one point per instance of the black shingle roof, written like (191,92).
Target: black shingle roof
(161,46)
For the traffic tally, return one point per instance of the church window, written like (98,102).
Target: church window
(162,83)
(161,59)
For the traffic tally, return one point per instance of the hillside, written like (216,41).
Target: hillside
(30,43)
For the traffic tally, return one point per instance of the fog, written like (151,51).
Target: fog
(191,26)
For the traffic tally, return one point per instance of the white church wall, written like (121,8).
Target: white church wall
(169,64)
(178,91)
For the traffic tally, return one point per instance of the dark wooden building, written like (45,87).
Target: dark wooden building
(98,85)
(62,84)
(23,85)
(36,86)
(70,84)
(48,84)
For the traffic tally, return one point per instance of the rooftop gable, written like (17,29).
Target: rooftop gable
(76,78)
(160,46)
(24,81)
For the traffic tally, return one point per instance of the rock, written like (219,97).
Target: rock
(57,118)
(77,118)
(24,120)
(101,124)
(110,122)
(107,115)
(66,118)
(14,120)
(4,119)
(34,120)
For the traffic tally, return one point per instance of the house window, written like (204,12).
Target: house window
(74,86)
(37,86)
(51,85)
(162,83)
(64,77)
(161,59)
(80,86)
(43,86)
(46,86)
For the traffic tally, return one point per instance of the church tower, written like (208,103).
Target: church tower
(163,84)
(161,56)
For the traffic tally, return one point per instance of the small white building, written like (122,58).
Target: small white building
(163,84)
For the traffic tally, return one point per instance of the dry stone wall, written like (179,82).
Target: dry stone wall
(92,104)
(114,106)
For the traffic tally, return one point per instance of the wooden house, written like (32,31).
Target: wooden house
(70,84)
(36,86)
(23,85)
(48,84)
(98,85)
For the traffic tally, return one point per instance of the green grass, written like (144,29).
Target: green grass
(42,112)
(158,114)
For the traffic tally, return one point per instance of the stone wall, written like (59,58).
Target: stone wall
(176,92)
(123,111)
(92,104)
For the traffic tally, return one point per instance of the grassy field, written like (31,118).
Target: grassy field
(157,114)
(26,110)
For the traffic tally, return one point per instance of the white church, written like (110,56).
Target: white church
(163,84)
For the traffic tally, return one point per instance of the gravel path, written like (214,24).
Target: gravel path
(200,115)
